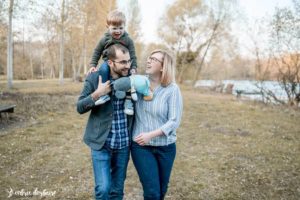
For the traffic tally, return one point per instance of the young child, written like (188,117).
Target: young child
(116,33)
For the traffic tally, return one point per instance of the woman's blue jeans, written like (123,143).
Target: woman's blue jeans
(110,168)
(154,165)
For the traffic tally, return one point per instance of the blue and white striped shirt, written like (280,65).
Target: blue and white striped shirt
(162,112)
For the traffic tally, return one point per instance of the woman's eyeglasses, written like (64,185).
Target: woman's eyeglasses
(151,59)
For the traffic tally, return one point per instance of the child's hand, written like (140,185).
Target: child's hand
(92,69)
(133,71)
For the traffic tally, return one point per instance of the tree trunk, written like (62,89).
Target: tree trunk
(42,67)
(80,65)
(10,47)
(84,46)
(30,59)
(183,68)
(73,65)
(201,63)
(61,71)
(180,76)
(52,71)
(216,25)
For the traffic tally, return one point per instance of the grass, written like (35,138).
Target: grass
(226,149)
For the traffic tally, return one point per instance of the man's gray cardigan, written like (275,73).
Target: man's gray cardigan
(101,116)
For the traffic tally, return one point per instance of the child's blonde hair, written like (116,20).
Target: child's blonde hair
(115,18)
(169,67)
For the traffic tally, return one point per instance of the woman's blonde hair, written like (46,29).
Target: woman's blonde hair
(169,67)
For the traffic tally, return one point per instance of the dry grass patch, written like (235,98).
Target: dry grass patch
(226,149)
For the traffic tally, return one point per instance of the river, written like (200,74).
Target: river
(251,89)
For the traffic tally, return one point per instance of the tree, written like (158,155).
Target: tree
(3,39)
(134,27)
(10,46)
(134,20)
(62,40)
(87,23)
(68,37)
(283,61)
(194,27)
(285,50)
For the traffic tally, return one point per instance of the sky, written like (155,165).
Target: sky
(152,10)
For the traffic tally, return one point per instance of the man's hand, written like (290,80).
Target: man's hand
(103,89)
(92,69)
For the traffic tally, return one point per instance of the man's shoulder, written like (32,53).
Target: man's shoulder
(92,76)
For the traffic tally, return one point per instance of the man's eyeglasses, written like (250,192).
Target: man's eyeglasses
(151,59)
(123,62)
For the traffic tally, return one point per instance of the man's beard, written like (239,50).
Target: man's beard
(119,72)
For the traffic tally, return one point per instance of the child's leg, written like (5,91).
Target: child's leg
(128,105)
(104,71)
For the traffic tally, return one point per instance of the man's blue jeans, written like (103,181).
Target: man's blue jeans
(154,165)
(110,168)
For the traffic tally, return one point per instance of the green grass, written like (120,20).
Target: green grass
(226,148)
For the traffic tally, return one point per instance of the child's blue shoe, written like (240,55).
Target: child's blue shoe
(128,107)
(102,100)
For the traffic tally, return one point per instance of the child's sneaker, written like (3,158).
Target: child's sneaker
(102,100)
(128,107)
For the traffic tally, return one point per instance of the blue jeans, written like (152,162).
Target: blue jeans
(110,168)
(105,71)
(154,165)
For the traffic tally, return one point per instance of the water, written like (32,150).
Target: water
(250,87)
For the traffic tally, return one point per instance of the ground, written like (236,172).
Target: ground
(226,148)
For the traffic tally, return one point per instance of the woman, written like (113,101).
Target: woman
(154,133)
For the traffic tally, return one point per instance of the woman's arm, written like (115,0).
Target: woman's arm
(175,107)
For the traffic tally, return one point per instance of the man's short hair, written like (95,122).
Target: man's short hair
(111,51)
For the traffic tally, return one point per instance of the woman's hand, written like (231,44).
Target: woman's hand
(143,138)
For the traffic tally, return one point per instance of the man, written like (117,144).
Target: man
(108,127)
